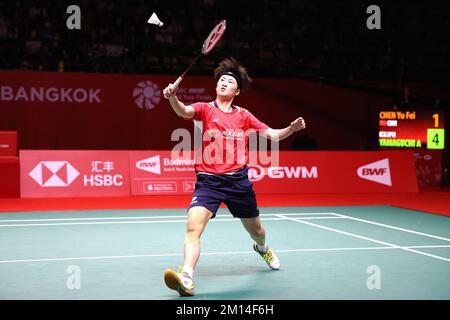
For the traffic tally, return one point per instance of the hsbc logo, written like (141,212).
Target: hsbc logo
(54,174)
(256,173)
(378,172)
(152,165)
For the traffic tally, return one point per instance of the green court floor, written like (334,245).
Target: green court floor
(362,252)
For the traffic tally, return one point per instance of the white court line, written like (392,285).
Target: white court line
(184,219)
(144,222)
(393,227)
(213,253)
(322,218)
(154,217)
(366,238)
(110,222)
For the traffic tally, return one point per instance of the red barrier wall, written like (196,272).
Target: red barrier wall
(9,177)
(104,111)
(8,144)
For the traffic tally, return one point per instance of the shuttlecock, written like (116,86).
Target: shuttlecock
(155,20)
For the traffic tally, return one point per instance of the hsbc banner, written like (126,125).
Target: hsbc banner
(124,173)
(337,172)
(47,173)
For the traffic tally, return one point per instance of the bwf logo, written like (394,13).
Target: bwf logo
(378,172)
(147,95)
(54,173)
(152,165)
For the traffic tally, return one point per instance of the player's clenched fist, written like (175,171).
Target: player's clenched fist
(298,124)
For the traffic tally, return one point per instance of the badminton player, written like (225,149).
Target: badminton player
(220,181)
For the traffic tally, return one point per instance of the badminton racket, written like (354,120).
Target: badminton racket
(211,41)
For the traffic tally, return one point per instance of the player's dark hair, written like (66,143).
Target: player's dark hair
(232,67)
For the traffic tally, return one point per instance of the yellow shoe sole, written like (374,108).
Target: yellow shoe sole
(174,283)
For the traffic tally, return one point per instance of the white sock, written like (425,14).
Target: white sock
(189,271)
(263,248)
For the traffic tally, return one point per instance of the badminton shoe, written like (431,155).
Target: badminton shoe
(269,257)
(180,282)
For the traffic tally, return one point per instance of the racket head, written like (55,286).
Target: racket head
(214,37)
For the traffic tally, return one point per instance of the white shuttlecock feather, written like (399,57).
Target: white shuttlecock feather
(155,20)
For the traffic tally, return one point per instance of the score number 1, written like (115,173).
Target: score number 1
(435,137)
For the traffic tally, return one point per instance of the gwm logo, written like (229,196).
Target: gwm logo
(147,95)
(256,172)
(54,174)
(378,172)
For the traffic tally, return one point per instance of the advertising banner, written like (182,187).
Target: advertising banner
(48,173)
(337,172)
(161,172)
(124,173)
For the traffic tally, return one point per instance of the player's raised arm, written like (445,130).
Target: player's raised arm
(280,134)
(179,107)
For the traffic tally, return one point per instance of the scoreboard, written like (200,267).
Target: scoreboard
(412,129)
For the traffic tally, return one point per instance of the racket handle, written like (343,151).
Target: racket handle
(176,83)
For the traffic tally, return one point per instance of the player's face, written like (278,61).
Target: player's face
(227,87)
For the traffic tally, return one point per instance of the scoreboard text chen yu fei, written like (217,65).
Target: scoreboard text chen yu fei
(412,129)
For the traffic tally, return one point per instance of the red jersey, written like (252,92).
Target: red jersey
(224,146)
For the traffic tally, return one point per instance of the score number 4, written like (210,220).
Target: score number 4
(435,137)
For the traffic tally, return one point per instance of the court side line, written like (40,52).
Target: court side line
(213,253)
(322,218)
(110,222)
(393,227)
(153,217)
(368,239)
(143,222)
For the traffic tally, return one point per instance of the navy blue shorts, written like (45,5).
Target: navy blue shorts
(235,190)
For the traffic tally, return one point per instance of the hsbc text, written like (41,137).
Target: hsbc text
(99,180)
